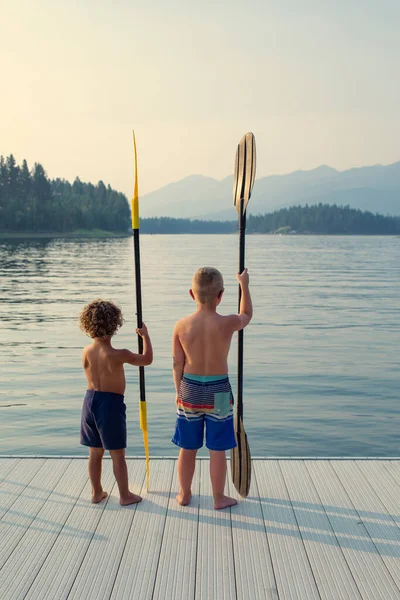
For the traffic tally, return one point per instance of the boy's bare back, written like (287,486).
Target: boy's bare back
(104,368)
(104,365)
(205,337)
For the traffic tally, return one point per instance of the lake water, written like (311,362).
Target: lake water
(322,354)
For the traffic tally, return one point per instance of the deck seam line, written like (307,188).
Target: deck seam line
(233,553)
(298,527)
(331,526)
(392,476)
(163,531)
(379,498)
(90,541)
(126,540)
(266,534)
(197,536)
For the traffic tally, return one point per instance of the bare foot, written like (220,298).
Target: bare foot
(96,498)
(130,499)
(184,499)
(224,502)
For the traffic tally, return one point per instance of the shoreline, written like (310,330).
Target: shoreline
(96,233)
(100,234)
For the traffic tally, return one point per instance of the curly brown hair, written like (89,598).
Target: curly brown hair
(100,319)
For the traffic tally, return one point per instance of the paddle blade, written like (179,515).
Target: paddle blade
(241,460)
(245,171)
(143,427)
(135,199)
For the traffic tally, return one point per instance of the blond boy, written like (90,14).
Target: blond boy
(200,347)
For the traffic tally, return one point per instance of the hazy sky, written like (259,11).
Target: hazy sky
(316,81)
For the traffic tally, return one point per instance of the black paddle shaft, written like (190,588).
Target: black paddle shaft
(242,236)
(136,247)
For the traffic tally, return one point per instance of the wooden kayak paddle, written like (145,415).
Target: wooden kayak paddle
(245,172)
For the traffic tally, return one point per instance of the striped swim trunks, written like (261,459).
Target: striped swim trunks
(205,401)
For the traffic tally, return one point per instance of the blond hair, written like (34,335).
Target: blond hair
(207,284)
(100,319)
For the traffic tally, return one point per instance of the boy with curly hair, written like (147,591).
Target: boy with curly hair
(103,425)
(200,347)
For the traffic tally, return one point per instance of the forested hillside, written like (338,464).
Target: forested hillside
(323,218)
(31,202)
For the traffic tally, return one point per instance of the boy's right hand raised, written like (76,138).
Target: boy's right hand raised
(243,278)
(142,331)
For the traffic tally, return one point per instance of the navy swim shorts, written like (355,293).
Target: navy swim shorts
(103,422)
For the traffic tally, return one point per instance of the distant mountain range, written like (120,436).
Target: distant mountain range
(375,188)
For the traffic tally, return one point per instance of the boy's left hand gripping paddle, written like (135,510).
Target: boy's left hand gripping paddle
(245,173)
(136,245)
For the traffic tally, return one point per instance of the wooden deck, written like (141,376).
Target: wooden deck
(310,529)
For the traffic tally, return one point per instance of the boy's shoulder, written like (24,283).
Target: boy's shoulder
(230,323)
(224,320)
(87,348)
(183,321)
(95,350)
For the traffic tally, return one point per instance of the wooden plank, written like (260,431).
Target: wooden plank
(384,486)
(331,571)
(215,572)
(55,549)
(99,567)
(16,481)
(62,564)
(22,513)
(7,465)
(294,577)
(394,469)
(254,573)
(179,547)
(145,538)
(379,524)
(25,562)
(369,571)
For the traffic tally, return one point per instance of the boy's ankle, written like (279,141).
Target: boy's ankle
(184,498)
(218,496)
(221,501)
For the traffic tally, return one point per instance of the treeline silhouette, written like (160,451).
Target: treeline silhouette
(318,219)
(31,202)
(324,219)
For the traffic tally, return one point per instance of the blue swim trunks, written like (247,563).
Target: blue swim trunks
(205,401)
(103,422)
